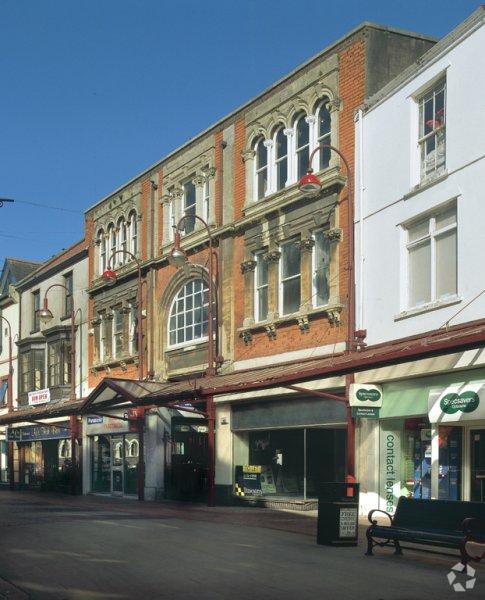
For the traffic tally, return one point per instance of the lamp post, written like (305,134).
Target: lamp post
(110,278)
(45,315)
(10,400)
(177,257)
(310,185)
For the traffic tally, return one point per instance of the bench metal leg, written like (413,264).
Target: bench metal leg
(370,543)
(398,549)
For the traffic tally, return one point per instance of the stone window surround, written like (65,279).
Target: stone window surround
(286,115)
(200,169)
(104,231)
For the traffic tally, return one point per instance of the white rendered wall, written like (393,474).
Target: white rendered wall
(390,170)
(11,313)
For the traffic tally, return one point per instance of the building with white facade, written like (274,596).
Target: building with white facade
(419,215)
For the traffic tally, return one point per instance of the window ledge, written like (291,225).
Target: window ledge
(430,306)
(330,177)
(302,318)
(113,363)
(424,185)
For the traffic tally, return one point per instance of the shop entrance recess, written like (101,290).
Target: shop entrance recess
(478,465)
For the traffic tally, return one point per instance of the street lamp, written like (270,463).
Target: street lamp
(110,278)
(310,185)
(178,258)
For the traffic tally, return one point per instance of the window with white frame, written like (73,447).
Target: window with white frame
(102,252)
(260,169)
(280,158)
(432,131)
(133,220)
(324,125)
(123,242)
(102,336)
(260,287)
(302,145)
(133,328)
(189,206)
(117,343)
(290,277)
(321,268)
(189,314)
(432,258)
(206,200)
(112,260)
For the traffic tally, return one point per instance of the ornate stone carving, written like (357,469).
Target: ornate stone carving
(288,131)
(306,244)
(246,336)
(248,265)
(177,193)
(273,256)
(334,235)
(333,316)
(270,331)
(303,323)
(335,104)
(166,198)
(247,155)
(311,119)
(268,143)
(108,316)
(198,180)
(96,321)
(123,365)
(209,172)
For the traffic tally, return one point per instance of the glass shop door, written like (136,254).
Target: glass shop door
(117,476)
(477,465)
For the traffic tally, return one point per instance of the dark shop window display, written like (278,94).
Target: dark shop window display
(295,461)
(115,463)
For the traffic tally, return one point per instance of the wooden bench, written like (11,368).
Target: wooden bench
(445,523)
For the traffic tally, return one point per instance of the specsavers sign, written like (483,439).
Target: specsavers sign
(457,402)
(365,400)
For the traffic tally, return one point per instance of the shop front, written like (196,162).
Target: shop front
(113,451)
(284,448)
(42,456)
(430,439)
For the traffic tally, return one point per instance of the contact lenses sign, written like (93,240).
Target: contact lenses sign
(457,402)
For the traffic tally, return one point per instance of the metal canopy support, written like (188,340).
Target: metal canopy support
(326,395)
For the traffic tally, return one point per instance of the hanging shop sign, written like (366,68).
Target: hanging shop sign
(35,433)
(457,402)
(365,400)
(39,397)
(254,480)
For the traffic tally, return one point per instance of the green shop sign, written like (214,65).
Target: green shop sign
(466,402)
(365,395)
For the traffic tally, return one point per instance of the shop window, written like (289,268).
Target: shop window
(64,449)
(3,462)
(117,343)
(450,463)
(3,391)
(432,258)
(261,288)
(59,361)
(189,314)
(32,370)
(432,131)
(68,300)
(321,268)
(189,207)
(290,277)
(324,124)
(35,311)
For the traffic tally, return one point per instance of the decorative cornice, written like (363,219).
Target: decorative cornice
(304,323)
(246,336)
(270,331)
(333,316)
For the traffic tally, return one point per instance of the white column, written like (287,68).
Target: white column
(435,451)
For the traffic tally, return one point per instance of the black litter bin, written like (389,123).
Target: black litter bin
(338,514)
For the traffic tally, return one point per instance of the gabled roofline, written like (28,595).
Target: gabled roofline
(449,41)
(327,50)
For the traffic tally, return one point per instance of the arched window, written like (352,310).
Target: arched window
(133,222)
(189,313)
(122,241)
(112,260)
(280,158)
(102,252)
(324,124)
(261,169)
(134,448)
(302,145)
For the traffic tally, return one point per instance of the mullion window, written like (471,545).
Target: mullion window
(302,130)
(189,206)
(117,332)
(321,267)
(188,319)
(261,169)
(290,278)
(324,133)
(281,158)
(432,130)
(261,288)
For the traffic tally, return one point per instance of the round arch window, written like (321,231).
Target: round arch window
(189,314)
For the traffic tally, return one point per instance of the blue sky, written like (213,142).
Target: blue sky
(95,91)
